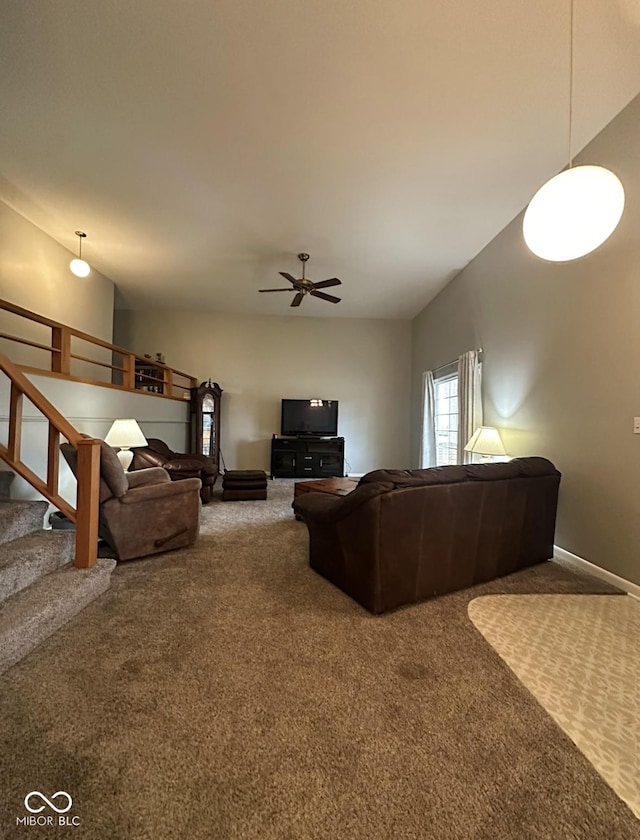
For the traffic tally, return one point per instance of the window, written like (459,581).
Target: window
(446,418)
(451,410)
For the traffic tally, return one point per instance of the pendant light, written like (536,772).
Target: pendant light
(578,209)
(78,266)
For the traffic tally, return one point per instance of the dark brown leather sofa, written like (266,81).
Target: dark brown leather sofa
(179,465)
(406,535)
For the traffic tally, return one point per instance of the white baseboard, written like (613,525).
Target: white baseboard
(596,571)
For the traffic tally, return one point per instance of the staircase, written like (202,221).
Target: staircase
(40,589)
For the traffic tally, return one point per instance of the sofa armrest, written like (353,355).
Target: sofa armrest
(165,489)
(206,463)
(152,475)
(322,507)
(183,465)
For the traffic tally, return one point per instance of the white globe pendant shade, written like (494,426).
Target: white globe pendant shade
(80,268)
(573,213)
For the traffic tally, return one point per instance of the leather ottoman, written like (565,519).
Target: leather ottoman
(244,485)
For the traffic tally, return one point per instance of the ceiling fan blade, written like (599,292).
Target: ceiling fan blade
(275,290)
(288,277)
(297,299)
(324,284)
(322,295)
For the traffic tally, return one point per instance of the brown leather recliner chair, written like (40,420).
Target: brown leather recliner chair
(406,535)
(179,465)
(145,512)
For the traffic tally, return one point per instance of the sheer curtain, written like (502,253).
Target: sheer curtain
(428,447)
(469,401)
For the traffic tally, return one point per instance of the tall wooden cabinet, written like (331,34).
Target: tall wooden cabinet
(204,428)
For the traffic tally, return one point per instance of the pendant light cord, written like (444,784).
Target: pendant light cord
(81,235)
(571,84)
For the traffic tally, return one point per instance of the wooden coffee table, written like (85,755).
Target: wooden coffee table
(332,486)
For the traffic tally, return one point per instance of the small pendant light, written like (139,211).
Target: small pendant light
(78,266)
(578,209)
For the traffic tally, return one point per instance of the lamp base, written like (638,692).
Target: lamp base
(125,456)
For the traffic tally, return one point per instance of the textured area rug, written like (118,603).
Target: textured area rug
(578,655)
(227,691)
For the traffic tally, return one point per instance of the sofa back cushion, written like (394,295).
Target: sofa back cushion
(453,474)
(410,478)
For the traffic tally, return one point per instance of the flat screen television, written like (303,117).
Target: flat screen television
(316,418)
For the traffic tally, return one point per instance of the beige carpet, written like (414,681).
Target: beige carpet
(228,692)
(578,655)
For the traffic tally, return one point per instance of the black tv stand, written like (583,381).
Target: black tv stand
(307,457)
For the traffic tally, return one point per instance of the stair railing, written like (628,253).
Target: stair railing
(133,372)
(85,514)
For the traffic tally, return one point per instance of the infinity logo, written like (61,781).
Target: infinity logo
(48,802)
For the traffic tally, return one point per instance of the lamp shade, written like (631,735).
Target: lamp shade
(80,268)
(125,433)
(573,213)
(485,441)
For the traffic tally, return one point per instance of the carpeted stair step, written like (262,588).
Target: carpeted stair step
(17,519)
(30,616)
(26,559)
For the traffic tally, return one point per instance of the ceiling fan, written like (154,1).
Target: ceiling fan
(304,287)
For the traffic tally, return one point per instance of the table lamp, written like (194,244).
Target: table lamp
(485,441)
(122,435)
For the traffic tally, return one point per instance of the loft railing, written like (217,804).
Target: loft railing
(85,514)
(129,372)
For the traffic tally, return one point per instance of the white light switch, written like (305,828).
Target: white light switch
(636,425)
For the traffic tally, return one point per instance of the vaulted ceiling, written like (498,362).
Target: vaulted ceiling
(202,144)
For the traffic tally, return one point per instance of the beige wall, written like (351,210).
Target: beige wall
(34,273)
(364,364)
(562,361)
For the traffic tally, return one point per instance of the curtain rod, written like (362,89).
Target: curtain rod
(479,351)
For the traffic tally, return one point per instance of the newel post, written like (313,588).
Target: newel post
(87,507)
